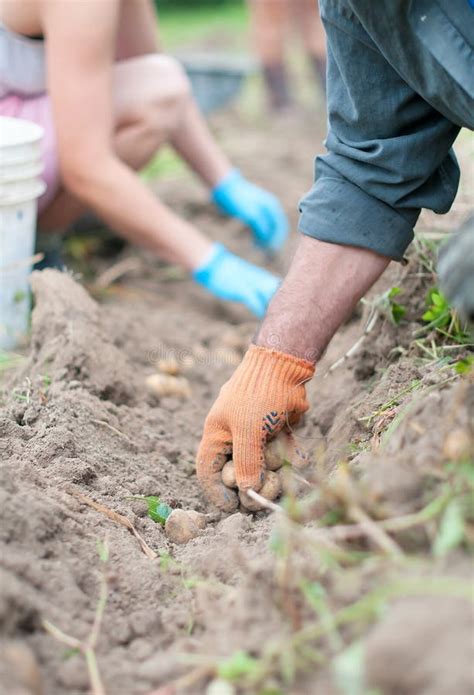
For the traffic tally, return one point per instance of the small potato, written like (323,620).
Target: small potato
(228,475)
(270,489)
(458,445)
(180,527)
(169,365)
(281,449)
(166,385)
(21,667)
(275,452)
(198,518)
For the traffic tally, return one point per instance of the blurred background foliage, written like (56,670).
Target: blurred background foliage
(197,25)
(185,22)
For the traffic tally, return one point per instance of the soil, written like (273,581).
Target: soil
(77,417)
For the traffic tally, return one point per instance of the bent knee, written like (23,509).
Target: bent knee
(148,82)
(165,75)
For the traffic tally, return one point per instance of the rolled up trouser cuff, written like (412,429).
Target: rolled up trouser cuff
(337,211)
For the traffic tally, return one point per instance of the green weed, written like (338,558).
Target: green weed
(157,510)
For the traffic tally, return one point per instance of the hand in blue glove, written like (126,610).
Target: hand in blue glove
(259,209)
(230,277)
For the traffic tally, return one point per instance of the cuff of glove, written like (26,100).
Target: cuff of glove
(203,272)
(262,365)
(224,184)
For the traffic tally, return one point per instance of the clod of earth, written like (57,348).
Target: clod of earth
(166,385)
(182,526)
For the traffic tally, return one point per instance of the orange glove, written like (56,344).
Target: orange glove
(264,395)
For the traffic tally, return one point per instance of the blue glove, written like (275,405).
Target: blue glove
(259,209)
(230,277)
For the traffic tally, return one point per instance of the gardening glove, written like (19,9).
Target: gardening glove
(230,277)
(257,208)
(265,394)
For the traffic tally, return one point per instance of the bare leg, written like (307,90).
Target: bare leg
(269,27)
(314,38)
(325,281)
(195,144)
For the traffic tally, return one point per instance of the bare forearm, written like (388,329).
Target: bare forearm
(196,145)
(118,196)
(323,285)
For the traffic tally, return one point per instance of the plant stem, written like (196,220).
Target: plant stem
(93,669)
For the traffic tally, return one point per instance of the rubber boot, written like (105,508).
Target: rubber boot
(50,244)
(276,81)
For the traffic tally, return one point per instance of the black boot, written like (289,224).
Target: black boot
(277,85)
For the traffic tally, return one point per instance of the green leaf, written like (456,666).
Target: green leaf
(157,510)
(278,544)
(398,312)
(451,529)
(393,292)
(464,365)
(166,561)
(315,594)
(428,316)
(240,664)
(72,651)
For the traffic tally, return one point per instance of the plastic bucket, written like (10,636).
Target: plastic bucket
(20,188)
(20,141)
(216,79)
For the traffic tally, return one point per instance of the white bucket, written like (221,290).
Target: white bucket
(20,188)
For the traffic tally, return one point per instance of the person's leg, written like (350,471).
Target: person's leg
(153,105)
(149,95)
(269,26)
(314,38)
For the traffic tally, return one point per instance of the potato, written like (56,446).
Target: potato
(167,385)
(270,489)
(228,475)
(169,365)
(180,527)
(281,449)
(458,445)
(199,519)
(22,668)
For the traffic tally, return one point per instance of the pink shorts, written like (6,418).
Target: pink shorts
(38,110)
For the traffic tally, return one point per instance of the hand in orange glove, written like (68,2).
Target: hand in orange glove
(264,395)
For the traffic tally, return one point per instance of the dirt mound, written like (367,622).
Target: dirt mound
(263,602)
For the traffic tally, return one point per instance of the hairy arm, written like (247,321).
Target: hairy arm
(323,285)
(81,39)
